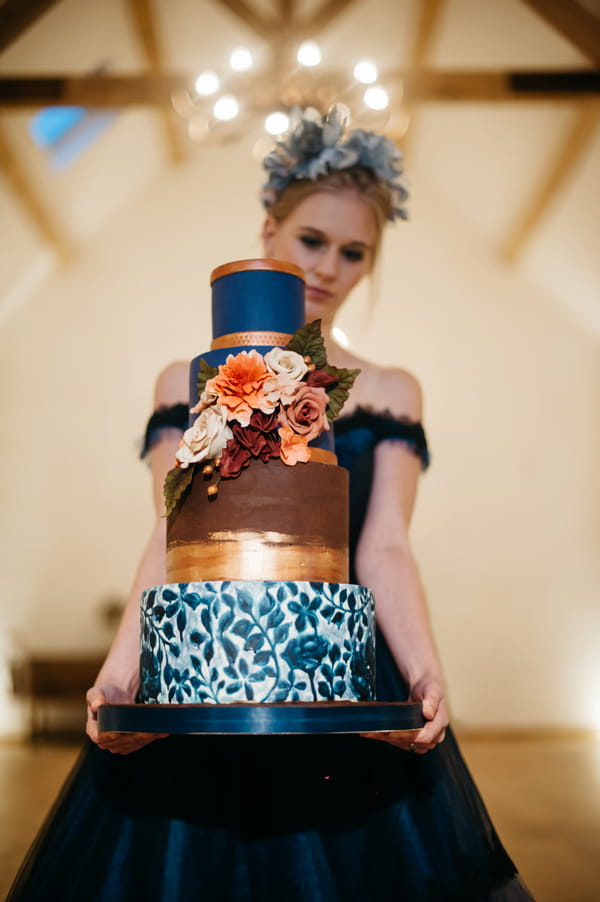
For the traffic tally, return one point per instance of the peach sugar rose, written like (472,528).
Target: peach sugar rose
(240,386)
(305,415)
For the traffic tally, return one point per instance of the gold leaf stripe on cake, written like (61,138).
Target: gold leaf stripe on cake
(260,263)
(321,456)
(242,339)
(244,554)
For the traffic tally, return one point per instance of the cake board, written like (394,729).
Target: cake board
(242,718)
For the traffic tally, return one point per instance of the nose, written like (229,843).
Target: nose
(327,264)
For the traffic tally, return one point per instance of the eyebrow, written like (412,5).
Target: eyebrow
(368,247)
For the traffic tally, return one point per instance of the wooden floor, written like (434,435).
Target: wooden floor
(543,794)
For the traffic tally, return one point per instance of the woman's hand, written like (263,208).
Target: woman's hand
(431,695)
(118,743)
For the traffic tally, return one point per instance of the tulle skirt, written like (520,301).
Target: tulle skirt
(266,819)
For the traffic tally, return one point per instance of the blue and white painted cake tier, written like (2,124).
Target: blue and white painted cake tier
(257,641)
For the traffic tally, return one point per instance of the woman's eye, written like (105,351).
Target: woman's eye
(353,255)
(311,241)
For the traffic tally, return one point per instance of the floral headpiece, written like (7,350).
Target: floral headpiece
(259,407)
(315,146)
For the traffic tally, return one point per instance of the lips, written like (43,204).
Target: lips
(317,294)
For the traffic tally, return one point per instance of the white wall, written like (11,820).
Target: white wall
(506,530)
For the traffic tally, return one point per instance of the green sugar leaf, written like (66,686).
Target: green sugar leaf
(338,394)
(308,341)
(176,482)
(205,373)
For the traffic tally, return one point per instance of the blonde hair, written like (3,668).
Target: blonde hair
(362,181)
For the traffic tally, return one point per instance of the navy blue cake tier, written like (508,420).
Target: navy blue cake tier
(256,305)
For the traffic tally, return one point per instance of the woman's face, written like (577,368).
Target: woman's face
(332,237)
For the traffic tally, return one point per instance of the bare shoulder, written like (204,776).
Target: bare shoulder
(386,388)
(172,385)
(400,392)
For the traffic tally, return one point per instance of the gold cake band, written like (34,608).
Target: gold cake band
(322,456)
(241,339)
(239,554)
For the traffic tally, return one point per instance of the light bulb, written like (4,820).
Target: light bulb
(277,123)
(240,59)
(376,98)
(226,108)
(366,72)
(207,83)
(309,54)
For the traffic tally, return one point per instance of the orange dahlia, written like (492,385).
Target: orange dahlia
(239,385)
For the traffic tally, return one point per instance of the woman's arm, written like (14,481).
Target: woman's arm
(118,679)
(385,563)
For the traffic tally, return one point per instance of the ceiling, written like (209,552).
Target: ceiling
(519,154)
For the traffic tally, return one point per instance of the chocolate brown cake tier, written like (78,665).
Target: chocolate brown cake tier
(272,522)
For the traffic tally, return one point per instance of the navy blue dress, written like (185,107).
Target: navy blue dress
(265,819)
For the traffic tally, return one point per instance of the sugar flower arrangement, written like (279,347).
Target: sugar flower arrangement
(258,406)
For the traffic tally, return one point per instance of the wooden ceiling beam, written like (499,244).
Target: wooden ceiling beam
(30,200)
(286,10)
(430,13)
(143,18)
(456,86)
(16,16)
(265,28)
(108,91)
(452,86)
(322,17)
(574,144)
(574,22)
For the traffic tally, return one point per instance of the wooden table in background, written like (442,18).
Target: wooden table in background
(54,684)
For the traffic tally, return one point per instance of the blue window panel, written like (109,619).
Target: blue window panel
(49,125)
(65,132)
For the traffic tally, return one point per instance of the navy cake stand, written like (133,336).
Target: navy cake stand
(246,718)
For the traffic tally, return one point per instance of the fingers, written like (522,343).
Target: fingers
(434,731)
(94,698)
(431,698)
(126,743)
(405,740)
(419,742)
(117,743)
(430,707)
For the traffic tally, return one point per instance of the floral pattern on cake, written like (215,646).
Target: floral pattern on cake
(252,641)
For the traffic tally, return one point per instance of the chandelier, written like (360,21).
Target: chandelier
(222,104)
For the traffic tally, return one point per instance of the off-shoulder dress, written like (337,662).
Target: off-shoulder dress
(265,819)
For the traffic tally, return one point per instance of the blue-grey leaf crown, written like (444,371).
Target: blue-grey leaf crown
(315,146)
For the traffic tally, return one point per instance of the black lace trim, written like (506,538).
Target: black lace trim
(384,425)
(175,417)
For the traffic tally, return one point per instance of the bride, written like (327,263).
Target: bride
(310,818)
